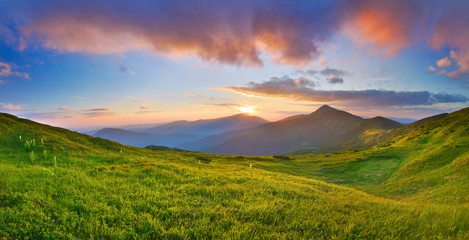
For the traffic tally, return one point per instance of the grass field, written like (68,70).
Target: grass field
(57,184)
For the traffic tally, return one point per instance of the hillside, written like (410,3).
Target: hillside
(178,133)
(325,130)
(85,187)
(425,161)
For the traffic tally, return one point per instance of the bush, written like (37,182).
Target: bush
(203,159)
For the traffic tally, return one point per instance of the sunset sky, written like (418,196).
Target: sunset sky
(90,63)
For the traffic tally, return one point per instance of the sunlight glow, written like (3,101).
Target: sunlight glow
(246,109)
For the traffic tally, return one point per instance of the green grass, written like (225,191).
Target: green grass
(95,188)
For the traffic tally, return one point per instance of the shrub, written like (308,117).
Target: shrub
(203,159)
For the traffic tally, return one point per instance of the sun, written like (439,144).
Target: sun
(246,109)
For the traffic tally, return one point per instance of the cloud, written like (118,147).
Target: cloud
(125,69)
(462,60)
(450,32)
(200,97)
(64,108)
(333,71)
(431,69)
(222,104)
(6,70)
(444,62)
(309,72)
(97,112)
(2,82)
(441,72)
(11,107)
(146,112)
(286,88)
(334,79)
(194,96)
(240,32)
(141,105)
(383,26)
(284,82)
(230,32)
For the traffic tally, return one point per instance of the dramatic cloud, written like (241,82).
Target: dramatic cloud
(233,32)
(287,88)
(444,62)
(125,69)
(11,107)
(6,70)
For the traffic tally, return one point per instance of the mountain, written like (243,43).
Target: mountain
(326,129)
(207,127)
(178,133)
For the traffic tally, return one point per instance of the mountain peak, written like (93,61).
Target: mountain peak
(325,108)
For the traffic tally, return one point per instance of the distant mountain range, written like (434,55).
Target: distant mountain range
(326,129)
(178,133)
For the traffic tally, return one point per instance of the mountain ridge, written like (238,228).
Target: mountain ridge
(324,130)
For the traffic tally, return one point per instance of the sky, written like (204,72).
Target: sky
(85,64)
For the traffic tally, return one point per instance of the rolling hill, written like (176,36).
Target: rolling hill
(327,129)
(56,183)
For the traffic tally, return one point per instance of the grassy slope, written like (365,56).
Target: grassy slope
(427,161)
(101,189)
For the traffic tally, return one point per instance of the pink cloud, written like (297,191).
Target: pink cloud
(6,70)
(221,31)
(384,26)
(444,62)
(431,69)
(11,107)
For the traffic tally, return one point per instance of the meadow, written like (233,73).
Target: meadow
(58,184)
